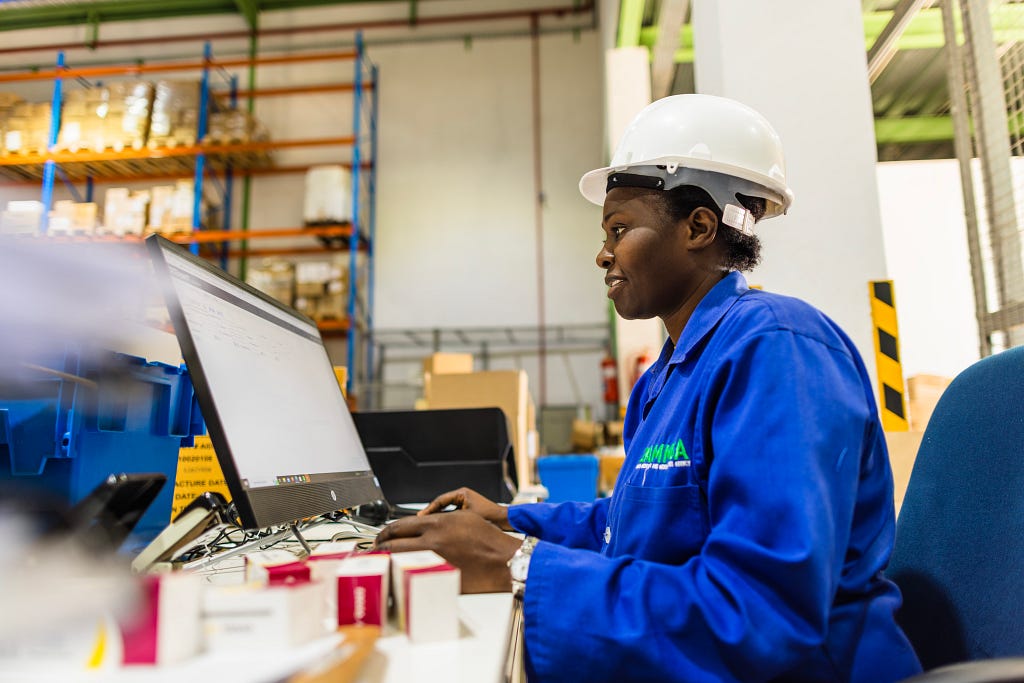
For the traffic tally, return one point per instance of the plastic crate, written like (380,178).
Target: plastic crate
(68,423)
(569,477)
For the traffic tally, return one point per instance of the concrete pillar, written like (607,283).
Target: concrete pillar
(627,91)
(802,64)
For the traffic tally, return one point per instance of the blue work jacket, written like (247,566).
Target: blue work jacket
(750,524)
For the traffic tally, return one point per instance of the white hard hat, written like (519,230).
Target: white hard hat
(712,142)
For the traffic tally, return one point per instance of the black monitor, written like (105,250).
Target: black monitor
(271,401)
(419,454)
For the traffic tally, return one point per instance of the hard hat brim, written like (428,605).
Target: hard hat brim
(593,184)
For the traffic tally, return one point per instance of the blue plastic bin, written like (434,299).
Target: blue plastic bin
(569,477)
(68,423)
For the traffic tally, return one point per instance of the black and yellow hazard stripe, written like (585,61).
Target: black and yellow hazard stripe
(887,356)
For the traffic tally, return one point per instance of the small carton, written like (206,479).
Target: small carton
(253,617)
(361,583)
(274,568)
(166,627)
(426,590)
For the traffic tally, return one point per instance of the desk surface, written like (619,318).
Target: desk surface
(478,656)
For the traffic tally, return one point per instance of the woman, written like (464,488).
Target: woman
(748,530)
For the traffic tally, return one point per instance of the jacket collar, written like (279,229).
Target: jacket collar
(711,309)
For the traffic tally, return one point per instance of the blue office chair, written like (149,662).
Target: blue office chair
(959,553)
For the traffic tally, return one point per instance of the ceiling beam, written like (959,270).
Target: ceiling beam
(48,16)
(663,57)
(923,129)
(884,47)
(924,31)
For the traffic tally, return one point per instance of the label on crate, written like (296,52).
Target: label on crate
(198,472)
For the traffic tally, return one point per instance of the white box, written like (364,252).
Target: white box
(426,590)
(275,567)
(21,217)
(357,588)
(328,195)
(253,617)
(166,627)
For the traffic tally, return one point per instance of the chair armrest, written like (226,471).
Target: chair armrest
(1004,670)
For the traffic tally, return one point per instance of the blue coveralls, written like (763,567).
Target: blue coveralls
(750,524)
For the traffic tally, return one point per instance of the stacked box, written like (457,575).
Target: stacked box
(274,277)
(81,125)
(320,289)
(175,118)
(124,211)
(182,208)
(127,121)
(21,218)
(70,217)
(235,126)
(28,128)
(7,103)
(114,117)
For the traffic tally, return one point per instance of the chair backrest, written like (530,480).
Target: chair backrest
(959,553)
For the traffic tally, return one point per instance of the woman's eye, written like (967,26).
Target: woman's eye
(617,231)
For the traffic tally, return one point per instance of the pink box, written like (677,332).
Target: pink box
(275,568)
(166,627)
(358,586)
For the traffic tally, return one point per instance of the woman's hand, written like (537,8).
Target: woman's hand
(466,540)
(468,499)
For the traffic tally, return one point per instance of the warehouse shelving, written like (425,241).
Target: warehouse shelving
(220,162)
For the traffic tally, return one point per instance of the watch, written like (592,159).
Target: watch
(519,566)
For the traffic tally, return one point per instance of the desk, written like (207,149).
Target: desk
(478,656)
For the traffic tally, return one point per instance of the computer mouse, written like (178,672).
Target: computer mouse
(374,512)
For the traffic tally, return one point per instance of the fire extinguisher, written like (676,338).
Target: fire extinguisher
(610,377)
(640,365)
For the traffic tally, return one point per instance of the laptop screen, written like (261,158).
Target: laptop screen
(276,415)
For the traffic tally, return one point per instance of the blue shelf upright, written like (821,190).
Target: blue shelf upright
(50,166)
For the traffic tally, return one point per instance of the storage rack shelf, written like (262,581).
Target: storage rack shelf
(160,162)
(221,161)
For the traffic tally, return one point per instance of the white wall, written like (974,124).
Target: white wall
(926,244)
(456,228)
(811,84)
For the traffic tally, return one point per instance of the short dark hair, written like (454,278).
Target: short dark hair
(742,252)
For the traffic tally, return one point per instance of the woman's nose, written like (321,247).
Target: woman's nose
(605,258)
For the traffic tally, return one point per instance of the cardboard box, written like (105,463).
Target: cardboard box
(587,436)
(923,392)
(506,389)
(903,447)
(448,363)
(609,466)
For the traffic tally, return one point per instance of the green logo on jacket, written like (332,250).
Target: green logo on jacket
(665,455)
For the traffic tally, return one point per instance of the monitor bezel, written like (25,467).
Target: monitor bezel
(257,508)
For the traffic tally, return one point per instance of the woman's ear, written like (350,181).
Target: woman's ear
(703,227)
